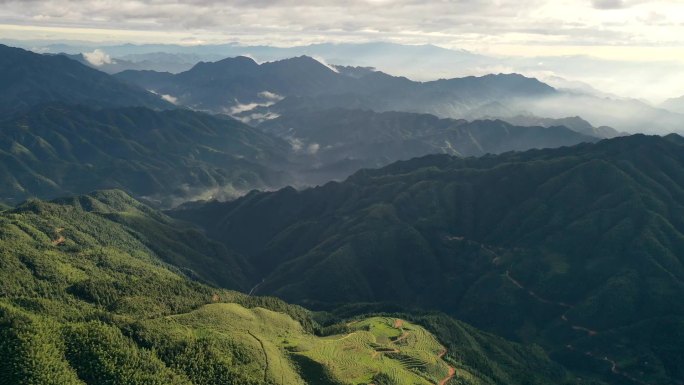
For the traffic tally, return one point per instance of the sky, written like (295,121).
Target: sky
(626,30)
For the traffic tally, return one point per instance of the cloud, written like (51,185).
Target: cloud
(267,99)
(313,148)
(608,4)
(242,107)
(471,24)
(614,4)
(296,144)
(251,57)
(170,99)
(271,96)
(257,117)
(97,58)
(322,61)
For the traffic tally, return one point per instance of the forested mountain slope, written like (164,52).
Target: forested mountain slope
(89,294)
(57,149)
(342,141)
(578,249)
(28,79)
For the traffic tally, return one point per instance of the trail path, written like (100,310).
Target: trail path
(263,349)
(399,324)
(452,373)
(345,337)
(613,365)
(256,287)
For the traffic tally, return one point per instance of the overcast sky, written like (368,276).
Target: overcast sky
(624,29)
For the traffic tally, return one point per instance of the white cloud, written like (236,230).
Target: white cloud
(258,117)
(251,57)
(271,96)
(299,146)
(472,24)
(97,58)
(240,108)
(313,148)
(170,99)
(268,99)
(296,144)
(322,61)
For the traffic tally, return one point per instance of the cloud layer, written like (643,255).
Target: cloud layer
(455,23)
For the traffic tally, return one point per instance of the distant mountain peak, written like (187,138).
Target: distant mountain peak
(304,62)
(230,62)
(674,105)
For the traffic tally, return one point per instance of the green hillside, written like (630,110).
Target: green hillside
(89,294)
(28,79)
(577,249)
(54,150)
(341,141)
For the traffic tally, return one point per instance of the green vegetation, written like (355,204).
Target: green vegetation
(348,140)
(578,249)
(166,157)
(353,358)
(28,79)
(89,294)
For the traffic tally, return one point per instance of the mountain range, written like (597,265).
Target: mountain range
(54,145)
(156,61)
(228,84)
(675,104)
(236,85)
(577,249)
(341,141)
(170,157)
(574,123)
(574,73)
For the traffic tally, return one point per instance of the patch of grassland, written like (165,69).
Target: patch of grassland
(374,347)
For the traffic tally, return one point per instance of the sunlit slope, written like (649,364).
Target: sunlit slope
(101,289)
(371,349)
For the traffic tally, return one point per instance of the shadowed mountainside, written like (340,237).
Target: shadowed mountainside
(53,150)
(28,79)
(578,249)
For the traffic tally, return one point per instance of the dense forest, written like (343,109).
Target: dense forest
(92,292)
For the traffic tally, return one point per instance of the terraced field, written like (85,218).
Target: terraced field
(374,350)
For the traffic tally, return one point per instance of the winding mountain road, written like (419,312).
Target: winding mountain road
(251,292)
(591,333)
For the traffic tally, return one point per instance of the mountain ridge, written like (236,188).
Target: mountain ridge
(471,97)
(55,149)
(29,79)
(308,77)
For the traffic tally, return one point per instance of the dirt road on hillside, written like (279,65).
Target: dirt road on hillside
(591,333)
